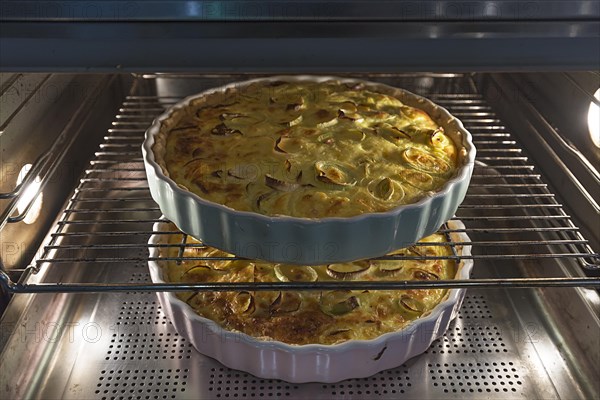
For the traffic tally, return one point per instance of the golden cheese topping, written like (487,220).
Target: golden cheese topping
(309,150)
(326,317)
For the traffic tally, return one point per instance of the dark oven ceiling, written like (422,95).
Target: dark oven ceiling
(276,36)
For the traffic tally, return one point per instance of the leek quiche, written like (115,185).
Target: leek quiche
(304,149)
(306,317)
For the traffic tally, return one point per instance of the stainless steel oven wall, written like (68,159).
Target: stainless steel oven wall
(46,115)
(549,113)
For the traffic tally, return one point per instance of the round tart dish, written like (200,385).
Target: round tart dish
(308,170)
(309,336)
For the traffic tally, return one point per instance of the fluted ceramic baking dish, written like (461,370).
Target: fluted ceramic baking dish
(310,363)
(305,240)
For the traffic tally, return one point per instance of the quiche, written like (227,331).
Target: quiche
(308,317)
(306,149)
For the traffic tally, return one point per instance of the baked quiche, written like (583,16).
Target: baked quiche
(326,317)
(306,149)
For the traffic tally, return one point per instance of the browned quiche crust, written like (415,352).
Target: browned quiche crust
(310,317)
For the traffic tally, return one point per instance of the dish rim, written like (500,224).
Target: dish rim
(463,172)
(450,300)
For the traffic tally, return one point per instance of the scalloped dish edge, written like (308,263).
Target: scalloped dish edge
(428,327)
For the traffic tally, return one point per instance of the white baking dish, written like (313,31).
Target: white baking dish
(311,363)
(305,240)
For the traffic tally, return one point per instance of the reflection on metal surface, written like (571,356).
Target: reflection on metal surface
(30,193)
(557,136)
(591,295)
(594,120)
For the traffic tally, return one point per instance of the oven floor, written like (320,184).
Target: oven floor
(504,343)
(122,347)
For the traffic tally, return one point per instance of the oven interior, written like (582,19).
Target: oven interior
(531,331)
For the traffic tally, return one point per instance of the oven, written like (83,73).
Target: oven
(82,81)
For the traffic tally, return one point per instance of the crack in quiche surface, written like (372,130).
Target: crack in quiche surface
(310,317)
(309,150)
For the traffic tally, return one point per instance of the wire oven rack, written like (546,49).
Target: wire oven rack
(509,212)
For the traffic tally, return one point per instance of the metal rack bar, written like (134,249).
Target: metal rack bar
(589,95)
(470,218)
(507,176)
(114,200)
(510,206)
(200,245)
(391,258)
(481,230)
(125,209)
(515,283)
